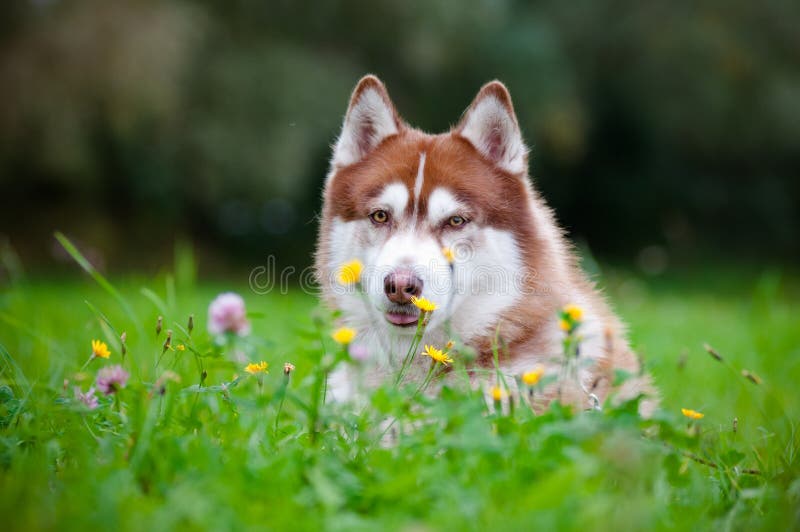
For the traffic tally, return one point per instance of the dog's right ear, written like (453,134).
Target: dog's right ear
(370,119)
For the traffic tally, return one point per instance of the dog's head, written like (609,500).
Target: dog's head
(445,217)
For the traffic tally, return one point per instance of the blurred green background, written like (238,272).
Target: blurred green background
(170,139)
(662,133)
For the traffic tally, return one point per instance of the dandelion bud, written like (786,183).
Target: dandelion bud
(682,359)
(752,377)
(570,318)
(123,338)
(288,368)
(713,352)
(167,341)
(190,325)
(735,424)
(158,325)
(449,255)
(449,345)
(532,378)
(497,393)
(161,383)
(573,312)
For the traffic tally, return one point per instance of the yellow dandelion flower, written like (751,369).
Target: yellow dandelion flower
(100,349)
(497,393)
(692,414)
(425,305)
(255,368)
(449,256)
(344,335)
(532,378)
(564,325)
(180,347)
(437,355)
(574,312)
(350,272)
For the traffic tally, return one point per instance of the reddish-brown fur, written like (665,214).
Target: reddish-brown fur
(504,201)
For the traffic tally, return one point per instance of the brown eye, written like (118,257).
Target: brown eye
(379,217)
(456,221)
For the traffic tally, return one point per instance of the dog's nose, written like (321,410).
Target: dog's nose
(399,286)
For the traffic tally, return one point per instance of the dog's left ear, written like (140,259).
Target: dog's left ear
(490,125)
(371,118)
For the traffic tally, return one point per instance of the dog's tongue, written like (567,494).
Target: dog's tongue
(397,318)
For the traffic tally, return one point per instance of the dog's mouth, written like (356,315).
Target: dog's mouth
(402,315)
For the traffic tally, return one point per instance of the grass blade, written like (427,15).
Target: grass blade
(97,276)
(155,300)
(10,367)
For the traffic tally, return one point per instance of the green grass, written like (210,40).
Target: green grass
(219,459)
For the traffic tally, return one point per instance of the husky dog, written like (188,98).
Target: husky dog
(454,218)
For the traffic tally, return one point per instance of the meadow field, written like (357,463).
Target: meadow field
(193,441)
(182,144)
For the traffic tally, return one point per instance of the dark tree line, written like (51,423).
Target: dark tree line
(128,122)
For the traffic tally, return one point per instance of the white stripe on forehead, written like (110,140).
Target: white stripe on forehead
(418,183)
(394,197)
(442,204)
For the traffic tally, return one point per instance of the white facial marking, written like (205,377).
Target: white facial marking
(394,197)
(487,284)
(419,181)
(471,295)
(442,204)
(408,248)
